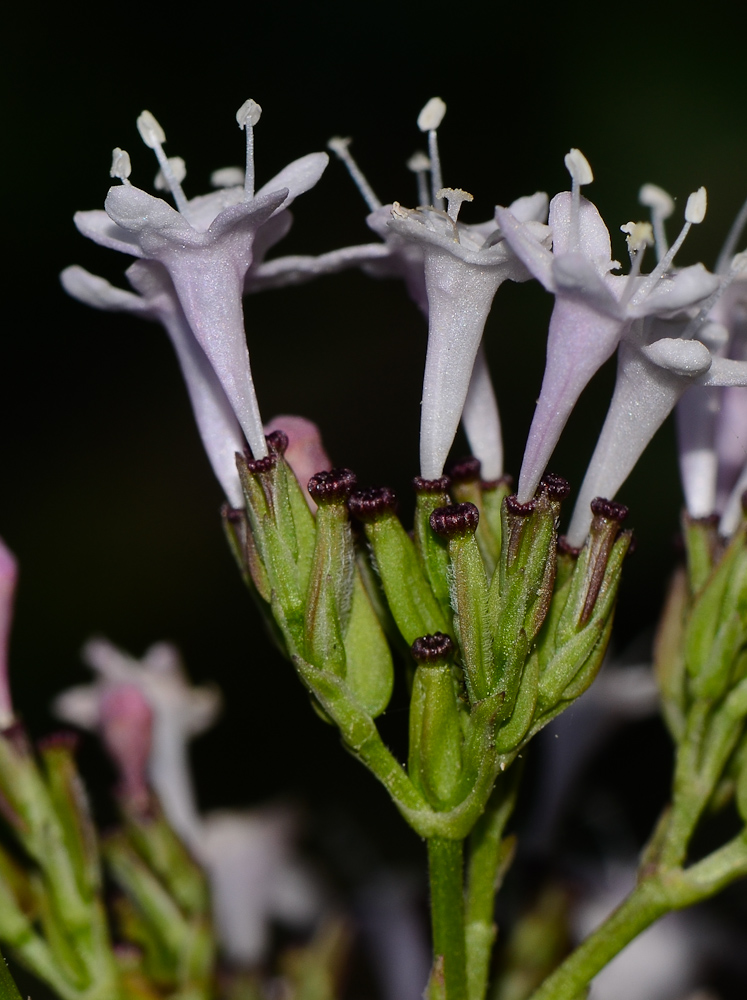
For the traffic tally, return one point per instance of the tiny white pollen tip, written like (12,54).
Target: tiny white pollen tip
(432,115)
(578,167)
(338,144)
(121,167)
(695,209)
(150,131)
(418,162)
(248,114)
(656,198)
(639,234)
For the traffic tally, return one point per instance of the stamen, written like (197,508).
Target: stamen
(694,327)
(227,177)
(662,206)
(428,121)
(581,173)
(695,211)
(247,116)
(420,165)
(154,137)
(340,148)
(724,258)
(455,197)
(121,167)
(178,169)
(639,235)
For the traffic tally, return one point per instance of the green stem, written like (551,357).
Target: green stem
(488,859)
(447,913)
(8,988)
(644,905)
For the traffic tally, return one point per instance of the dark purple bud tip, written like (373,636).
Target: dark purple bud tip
(442,485)
(234,515)
(371,504)
(555,486)
(743,500)
(256,466)
(518,509)
(464,470)
(566,549)
(332,487)
(63,739)
(277,442)
(609,509)
(432,648)
(456,519)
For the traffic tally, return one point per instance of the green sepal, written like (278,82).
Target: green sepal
(329,597)
(488,498)
(70,803)
(521,589)
(669,659)
(369,670)
(469,599)
(411,601)
(432,549)
(702,546)
(513,731)
(717,627)
(8,988)
(571,647)
(157,843)
(435,757)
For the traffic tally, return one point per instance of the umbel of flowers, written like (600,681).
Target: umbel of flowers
(502,622)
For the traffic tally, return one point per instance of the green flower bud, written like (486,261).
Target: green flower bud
(431,494)
(435,758)
(457,524)
(409,595)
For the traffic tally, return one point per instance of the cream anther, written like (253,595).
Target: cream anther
(418,162)
(150,131)
(398,212)
(121,167)
(432,115)
(695,209)
(578,167)
(454,200)
(420,165)
(657,199)
(248,114)
(339,146)
(227,177)
(638,235)
(178,170)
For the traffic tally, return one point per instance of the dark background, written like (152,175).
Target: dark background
(106,496)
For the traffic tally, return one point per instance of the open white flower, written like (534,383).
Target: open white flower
(219,429)
(593,308)
(180,712)
(207,248)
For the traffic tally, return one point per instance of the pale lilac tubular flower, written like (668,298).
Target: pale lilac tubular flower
(593,308)
(158,301)
(8,581)
(305,452)
(255,879)
(406,258)
(653,372)
(126,726)
(712,421)
(180,712)
(207,246)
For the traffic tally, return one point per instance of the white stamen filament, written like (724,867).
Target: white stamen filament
(121,167)
(428,121)
(724,258)
(738,267)
(581,173)
(154,137)
(420,165)
(662,206)
(179,170)
(694,214)
(247,116)
(340,147)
